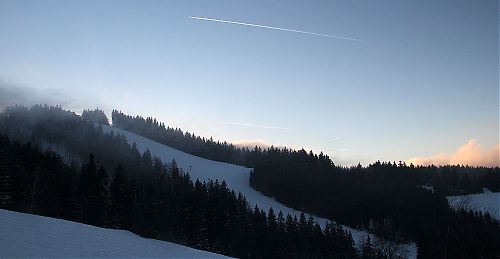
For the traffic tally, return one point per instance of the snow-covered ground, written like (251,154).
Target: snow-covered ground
(25,235)
(486,202)
(236,178)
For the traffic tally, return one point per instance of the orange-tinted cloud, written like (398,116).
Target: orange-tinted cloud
(469,154)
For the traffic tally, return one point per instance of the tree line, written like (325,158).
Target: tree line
(387,198)
(117,187)
(447,180)
(382,198)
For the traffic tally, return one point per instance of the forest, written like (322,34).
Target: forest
(385,198)
(157,200)
(447,180)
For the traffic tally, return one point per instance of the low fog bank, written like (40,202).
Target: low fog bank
(11,95)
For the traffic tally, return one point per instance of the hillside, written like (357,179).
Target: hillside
(236,178)
(484,202)
(25,235)
(141,190)
(119,187)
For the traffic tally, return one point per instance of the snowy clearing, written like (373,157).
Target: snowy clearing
(485,202)
(236,178)
(26,235)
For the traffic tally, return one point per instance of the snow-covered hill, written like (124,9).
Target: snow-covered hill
(236,177)
(486,202)
(25,235)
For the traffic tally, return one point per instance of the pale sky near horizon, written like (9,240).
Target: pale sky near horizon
(423,81)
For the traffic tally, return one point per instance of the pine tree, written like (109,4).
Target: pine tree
(94,193)
(118,204)
(367,250)
(6,195)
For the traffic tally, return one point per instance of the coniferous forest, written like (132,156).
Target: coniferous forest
(446,180)
(151,198)
(161,203)
(386,198)
(99,179)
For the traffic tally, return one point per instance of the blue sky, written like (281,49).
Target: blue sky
(425,81)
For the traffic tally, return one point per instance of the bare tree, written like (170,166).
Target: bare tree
(463,202)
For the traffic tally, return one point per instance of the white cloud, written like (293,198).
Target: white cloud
(255,125)
(337,138)
(251,143)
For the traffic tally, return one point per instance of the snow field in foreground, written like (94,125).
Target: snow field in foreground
(25,235)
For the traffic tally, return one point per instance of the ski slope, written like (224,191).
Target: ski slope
(236,178)
(486,202)
(25,235)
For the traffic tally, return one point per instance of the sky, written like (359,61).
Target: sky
(419,82)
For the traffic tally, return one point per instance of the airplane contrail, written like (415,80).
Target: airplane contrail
(275,28)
